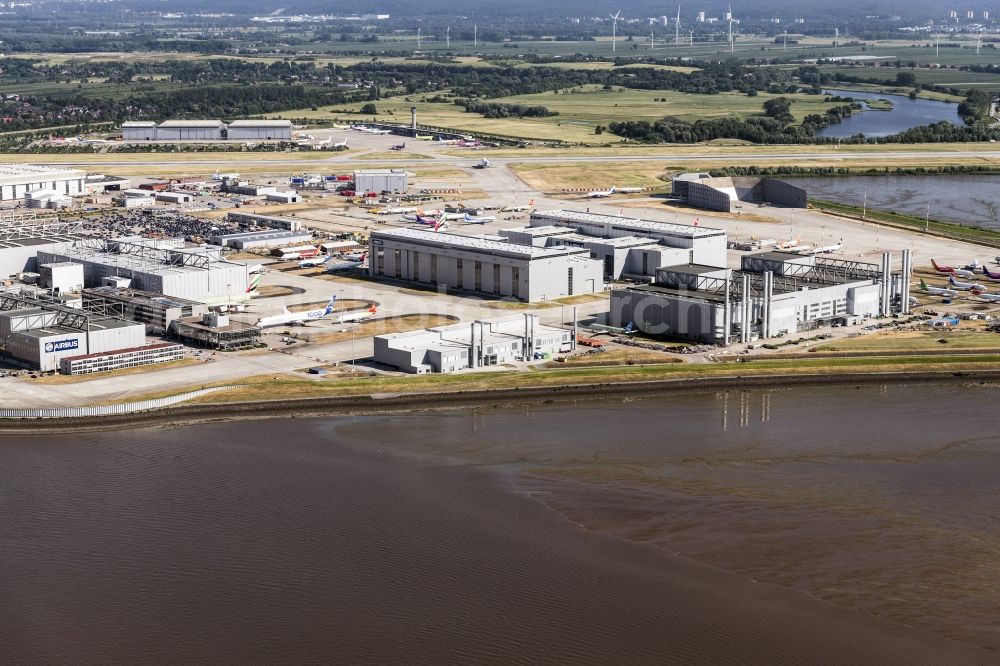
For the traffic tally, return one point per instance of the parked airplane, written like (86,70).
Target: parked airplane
(424,137)
(990,275)
(354,256)
(973,266)
(989,298)
(937,291)
(482,164)
(441,225)
(789,244)
(965,286)
(346,264)
(942,269)
(286,317)
(830,249)
(485,219)
(602,194)
(341,144)
(629,190)
(963,273)
(353,317)
(398,146)
(225,176)
(312,262)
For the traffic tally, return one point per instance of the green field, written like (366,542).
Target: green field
(579,112)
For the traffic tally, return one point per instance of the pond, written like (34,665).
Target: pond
(906,113)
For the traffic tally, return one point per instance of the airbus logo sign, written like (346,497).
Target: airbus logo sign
(61,345)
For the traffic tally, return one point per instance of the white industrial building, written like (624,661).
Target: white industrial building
(17,180)
(255,240)
(774,294)
(39,334)
(381,180)
(85,364)
(246,219)
(260,130)
(703,245)
(623,257)
(483,266)
(62,277)
(207,130)
(23,235)
(475,345)
(198,274)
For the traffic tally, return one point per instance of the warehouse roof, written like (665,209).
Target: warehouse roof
(264,235)
(261,123)
(192,123)
(471,244)
(626,223)
(139,123)
(17,174)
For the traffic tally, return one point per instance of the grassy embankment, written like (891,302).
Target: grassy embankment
(284,386)
(913,223)
(580,111)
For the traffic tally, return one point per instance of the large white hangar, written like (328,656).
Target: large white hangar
(207,130)
(16,180)
(774,293)
(704,245)
(23,236)
(491,267)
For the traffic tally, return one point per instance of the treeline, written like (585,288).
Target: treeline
(793,171)
(498,110)
(756,130)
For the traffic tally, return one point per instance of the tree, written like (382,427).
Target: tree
(906,79)
(369,110)
(779,108)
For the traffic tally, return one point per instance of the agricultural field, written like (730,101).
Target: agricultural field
(579,111)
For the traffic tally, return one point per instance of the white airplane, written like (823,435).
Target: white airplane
(629,190)
(990,298)
(286,317)
(341,144)
(355,256)
(312,262)
(353,317)
(225,176)
(937,291)
(381,131)
(789,244)
(602,194)
(963,273)
(485,219)
(830,249)
(965,286)
(347,264)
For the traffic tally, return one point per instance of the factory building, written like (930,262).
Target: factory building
(16,180)
(256,240)
(40,333)
(704,245)
(381,180)
(215,331)
(190,130)
(482,266)
(468,346)
(62,277)
(153,310)
(253,220)
(703,191)
(197,274)
(174,197)
(773,294)
(260,130)
(282,197)
(161,352)
(23,235)
(207,130)
(631,257)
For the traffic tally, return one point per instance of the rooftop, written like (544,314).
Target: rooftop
(472,244)
(32,171)
(264,235)
(693,269)
(192,123)
(139,123)
(152,347)
(632,224)
(261,123)
(547,230)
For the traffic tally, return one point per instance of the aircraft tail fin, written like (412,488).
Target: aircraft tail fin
(329,306)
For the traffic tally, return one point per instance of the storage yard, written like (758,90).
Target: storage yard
(601,272)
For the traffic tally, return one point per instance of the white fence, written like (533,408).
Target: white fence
(108,410)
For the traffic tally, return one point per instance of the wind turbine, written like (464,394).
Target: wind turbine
(690,39)
(784,40)
(836,37)
(614,30)
(448,36)
(677,26)
(732,43)
(979,42)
